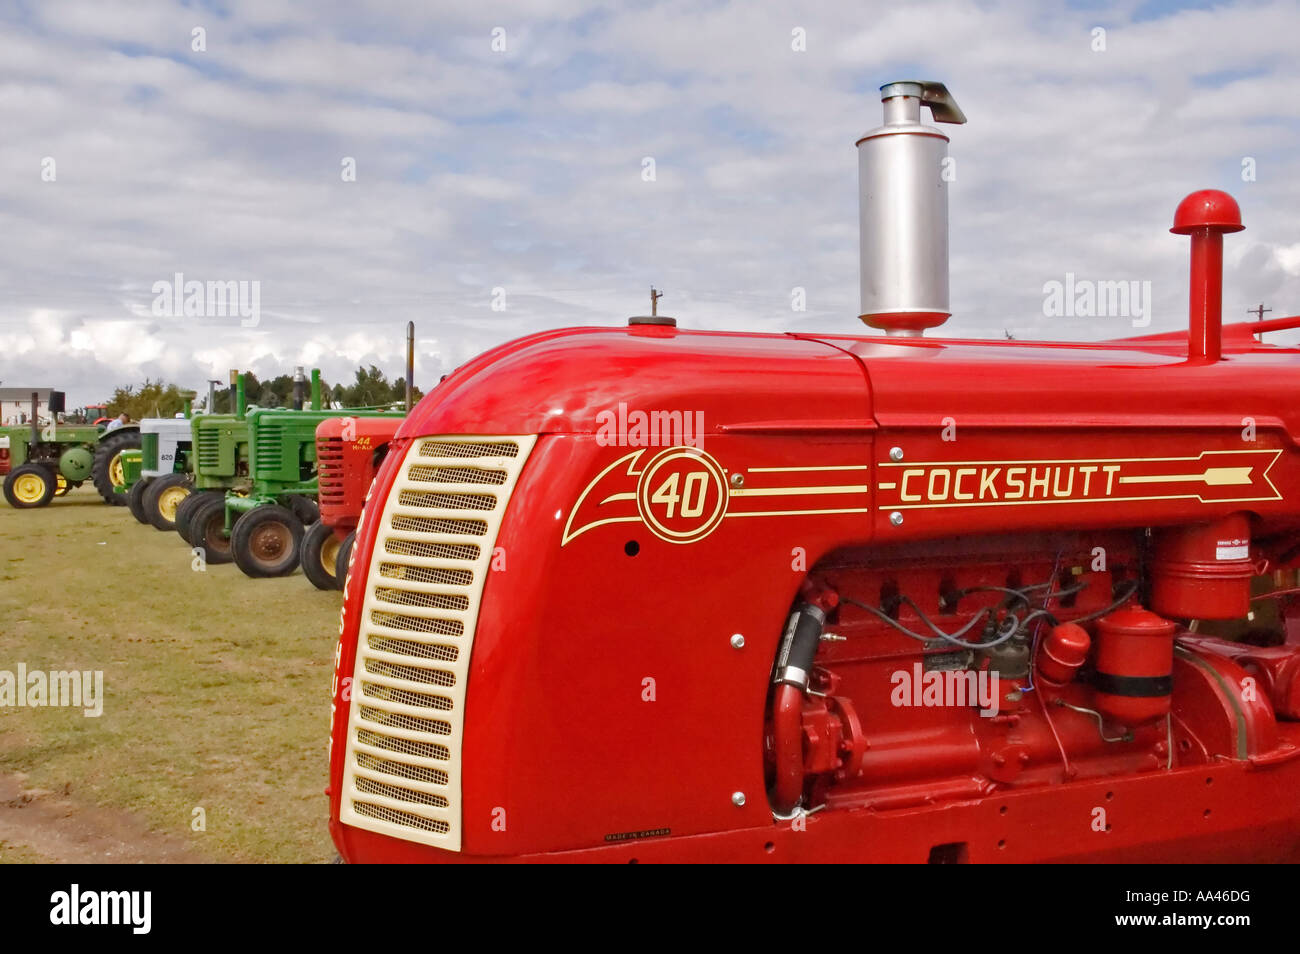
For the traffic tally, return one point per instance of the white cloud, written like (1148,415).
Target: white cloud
(523,170)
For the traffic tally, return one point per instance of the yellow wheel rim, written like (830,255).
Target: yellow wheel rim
(29,488)
(329,554)
(60,485)
(116,474)
(169,500)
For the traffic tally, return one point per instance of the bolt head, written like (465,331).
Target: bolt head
(896,518)
(738,799)
(737,479)
(737,641)
(895,453)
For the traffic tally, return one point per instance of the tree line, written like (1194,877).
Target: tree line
(370,388)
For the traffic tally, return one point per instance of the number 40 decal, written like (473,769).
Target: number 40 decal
(682,495)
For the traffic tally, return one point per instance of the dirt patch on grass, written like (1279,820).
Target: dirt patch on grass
(40,825)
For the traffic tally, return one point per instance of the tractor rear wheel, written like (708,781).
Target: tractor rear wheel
(320,553)
(107,471)
(28,486)
(135,498)
(164,499)
(267,541)
(345,554)
(207,528)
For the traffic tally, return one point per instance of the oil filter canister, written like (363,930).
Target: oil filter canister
(1134,666)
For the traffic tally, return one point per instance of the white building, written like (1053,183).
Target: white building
(16,405)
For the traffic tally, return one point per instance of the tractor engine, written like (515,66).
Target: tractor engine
(911,675)
(645,593)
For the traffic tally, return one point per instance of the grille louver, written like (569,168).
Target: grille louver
(433,548)
(329,469)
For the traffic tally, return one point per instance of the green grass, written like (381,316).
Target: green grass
(216,685)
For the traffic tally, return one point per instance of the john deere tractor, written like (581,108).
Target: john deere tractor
(218,464)
(48,460)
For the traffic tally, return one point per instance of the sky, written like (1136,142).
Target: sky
(481,169)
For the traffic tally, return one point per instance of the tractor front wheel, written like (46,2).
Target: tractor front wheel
(320,552)
(107,471)
(267,541)
(186,509)
(28,486)
(345,555)
(61,486)
(207,529)
(164,498)
(135,499)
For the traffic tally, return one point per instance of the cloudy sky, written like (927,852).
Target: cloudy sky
(128,155)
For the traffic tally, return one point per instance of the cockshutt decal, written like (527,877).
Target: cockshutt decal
(1210,477)
(682,494)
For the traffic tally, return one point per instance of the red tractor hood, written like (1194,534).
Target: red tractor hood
(561,382)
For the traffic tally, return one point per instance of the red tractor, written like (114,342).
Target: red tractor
(349,451)
(650,594)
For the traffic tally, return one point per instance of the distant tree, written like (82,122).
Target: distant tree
(399,391)
(372,389)
(151,399)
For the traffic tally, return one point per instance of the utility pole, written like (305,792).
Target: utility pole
(1259,315)
(654,301)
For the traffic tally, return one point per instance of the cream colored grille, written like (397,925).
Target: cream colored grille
(433,549)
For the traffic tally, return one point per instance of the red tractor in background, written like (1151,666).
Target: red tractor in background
(349,451)
(653,594)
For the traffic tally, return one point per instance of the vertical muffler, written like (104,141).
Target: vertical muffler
(903,210)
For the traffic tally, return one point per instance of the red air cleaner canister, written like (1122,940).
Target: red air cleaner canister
(1135,663)
(1203,572)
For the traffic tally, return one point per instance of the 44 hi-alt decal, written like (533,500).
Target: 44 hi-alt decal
(683,494)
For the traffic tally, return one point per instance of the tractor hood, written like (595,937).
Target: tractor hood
(574,381)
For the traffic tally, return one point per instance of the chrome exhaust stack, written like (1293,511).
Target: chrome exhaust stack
(903,175)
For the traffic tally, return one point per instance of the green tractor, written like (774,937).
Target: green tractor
(261,526)
(47,460)
(218,463)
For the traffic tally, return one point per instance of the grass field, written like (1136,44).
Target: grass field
(216,693)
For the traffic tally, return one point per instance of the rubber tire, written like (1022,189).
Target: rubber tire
(153,499)
(109,446)
(345,554)
(36,470)
(207,529)
(186,510)
(135,498)
(318,563)
(304,508)
(243,539)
